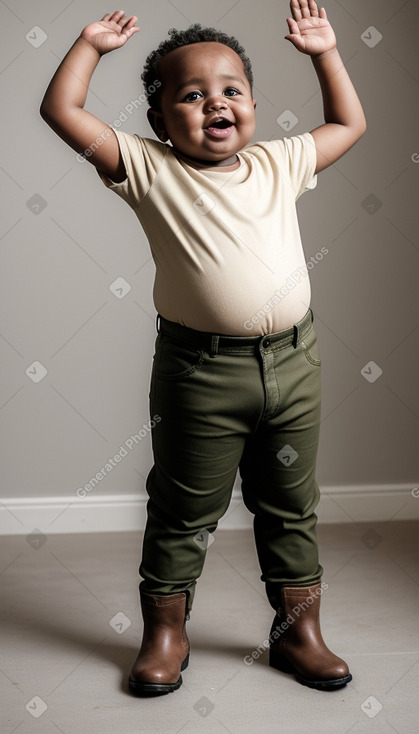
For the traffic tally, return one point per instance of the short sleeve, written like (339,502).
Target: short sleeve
(301,161)
(143,159)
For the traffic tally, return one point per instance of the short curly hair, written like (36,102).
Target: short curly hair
(194,34)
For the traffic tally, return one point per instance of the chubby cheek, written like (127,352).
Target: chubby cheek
(249,120)
(185,124)
(251,116)
(247,128)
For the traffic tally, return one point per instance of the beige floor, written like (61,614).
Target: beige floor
(64,667)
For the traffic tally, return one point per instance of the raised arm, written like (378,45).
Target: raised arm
(62,107)
(312,34)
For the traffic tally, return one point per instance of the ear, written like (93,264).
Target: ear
(156,121)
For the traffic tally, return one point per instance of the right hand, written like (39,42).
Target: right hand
(112,32)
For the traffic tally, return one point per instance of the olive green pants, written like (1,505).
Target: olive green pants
(228,403)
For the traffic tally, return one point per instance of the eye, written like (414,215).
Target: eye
(192,96)
(231,92)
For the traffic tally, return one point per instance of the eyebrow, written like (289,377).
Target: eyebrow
(197,80)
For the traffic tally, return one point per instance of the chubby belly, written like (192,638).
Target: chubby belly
(245,302)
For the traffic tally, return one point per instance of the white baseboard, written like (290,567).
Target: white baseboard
(119,513)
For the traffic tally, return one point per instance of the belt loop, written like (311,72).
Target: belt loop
(295,337)
(214,345)
(158,323)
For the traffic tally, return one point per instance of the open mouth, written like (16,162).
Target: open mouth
(220,128)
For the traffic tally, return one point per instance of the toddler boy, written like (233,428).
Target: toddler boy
(236,373)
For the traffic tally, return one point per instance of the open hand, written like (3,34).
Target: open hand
(112,32)
(310,31)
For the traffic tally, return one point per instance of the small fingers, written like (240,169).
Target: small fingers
(293,26)
(129,23)
(120,21)
(127,33)
(117,15)
(296,10)
(113,17)
(314,10)
(304,9)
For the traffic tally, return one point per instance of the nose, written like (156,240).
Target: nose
(216,103)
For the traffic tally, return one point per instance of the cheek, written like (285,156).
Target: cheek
(184,120)
(249,120)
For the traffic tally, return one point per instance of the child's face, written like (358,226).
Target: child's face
(201,83)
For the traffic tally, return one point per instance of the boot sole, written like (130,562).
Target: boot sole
(283,664)
(140,688)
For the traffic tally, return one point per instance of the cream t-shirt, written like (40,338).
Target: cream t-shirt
(226,245)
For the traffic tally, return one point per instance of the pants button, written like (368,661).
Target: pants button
(266,343)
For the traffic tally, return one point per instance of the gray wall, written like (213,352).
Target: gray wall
(65,239)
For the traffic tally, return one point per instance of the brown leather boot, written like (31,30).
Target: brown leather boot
(297,645)
(165,647)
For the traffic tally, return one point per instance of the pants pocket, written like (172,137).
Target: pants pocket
(175,360)
(310,348)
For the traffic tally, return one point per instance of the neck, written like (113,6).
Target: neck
(205,163)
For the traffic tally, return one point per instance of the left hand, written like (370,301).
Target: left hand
(310,31)
(112,32)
